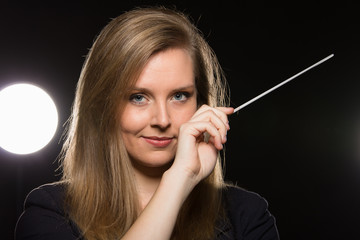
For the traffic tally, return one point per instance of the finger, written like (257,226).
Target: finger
(198,128)
(212,141)
(221,112)
(202,109)
(226,110)
(216,122)
(215,117)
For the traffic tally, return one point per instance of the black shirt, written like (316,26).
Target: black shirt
(44,217)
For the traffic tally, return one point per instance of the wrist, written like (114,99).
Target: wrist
(181,184)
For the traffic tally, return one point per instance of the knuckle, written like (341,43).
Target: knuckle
(184,126)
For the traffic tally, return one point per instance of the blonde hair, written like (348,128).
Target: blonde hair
(101,196)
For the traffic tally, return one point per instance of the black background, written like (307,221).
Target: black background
(299,147)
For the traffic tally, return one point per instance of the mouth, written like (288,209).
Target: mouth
(159,142)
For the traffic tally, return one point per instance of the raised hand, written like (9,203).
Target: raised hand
(196,156)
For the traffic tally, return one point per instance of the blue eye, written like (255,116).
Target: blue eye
(181,96)
(137,98)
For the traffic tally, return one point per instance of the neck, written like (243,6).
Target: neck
(147,181)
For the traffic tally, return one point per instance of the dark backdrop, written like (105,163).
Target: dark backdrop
(298,147)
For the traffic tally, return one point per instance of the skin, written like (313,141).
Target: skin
(163,132)
(164,97)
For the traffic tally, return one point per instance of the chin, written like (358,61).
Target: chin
(155,160)
(159,161)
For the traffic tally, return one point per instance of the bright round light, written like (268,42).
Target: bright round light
(28,118)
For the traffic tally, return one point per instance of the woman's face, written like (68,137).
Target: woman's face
(162,99)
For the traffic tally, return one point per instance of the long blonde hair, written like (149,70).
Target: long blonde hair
(101,196)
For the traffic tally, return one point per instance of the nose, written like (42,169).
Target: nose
(160,116)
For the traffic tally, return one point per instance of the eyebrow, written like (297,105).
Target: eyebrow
(179,89)
(184,88)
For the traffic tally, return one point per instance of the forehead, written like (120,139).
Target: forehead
(172,66)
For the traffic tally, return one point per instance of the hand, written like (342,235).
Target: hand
(196,157)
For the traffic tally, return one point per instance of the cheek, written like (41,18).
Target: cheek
(132,121)
(184,117)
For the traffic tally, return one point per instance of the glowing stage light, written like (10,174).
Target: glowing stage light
(28,118)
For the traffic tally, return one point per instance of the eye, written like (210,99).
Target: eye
(181,96)
(137,99)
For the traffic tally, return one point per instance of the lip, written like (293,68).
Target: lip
(159,142)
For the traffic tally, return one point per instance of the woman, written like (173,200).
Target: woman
(141,160)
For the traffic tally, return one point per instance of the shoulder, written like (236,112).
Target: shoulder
(248,214)
(48,196)
(241,199)
(44,216)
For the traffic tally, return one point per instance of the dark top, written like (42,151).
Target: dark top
(44,217)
